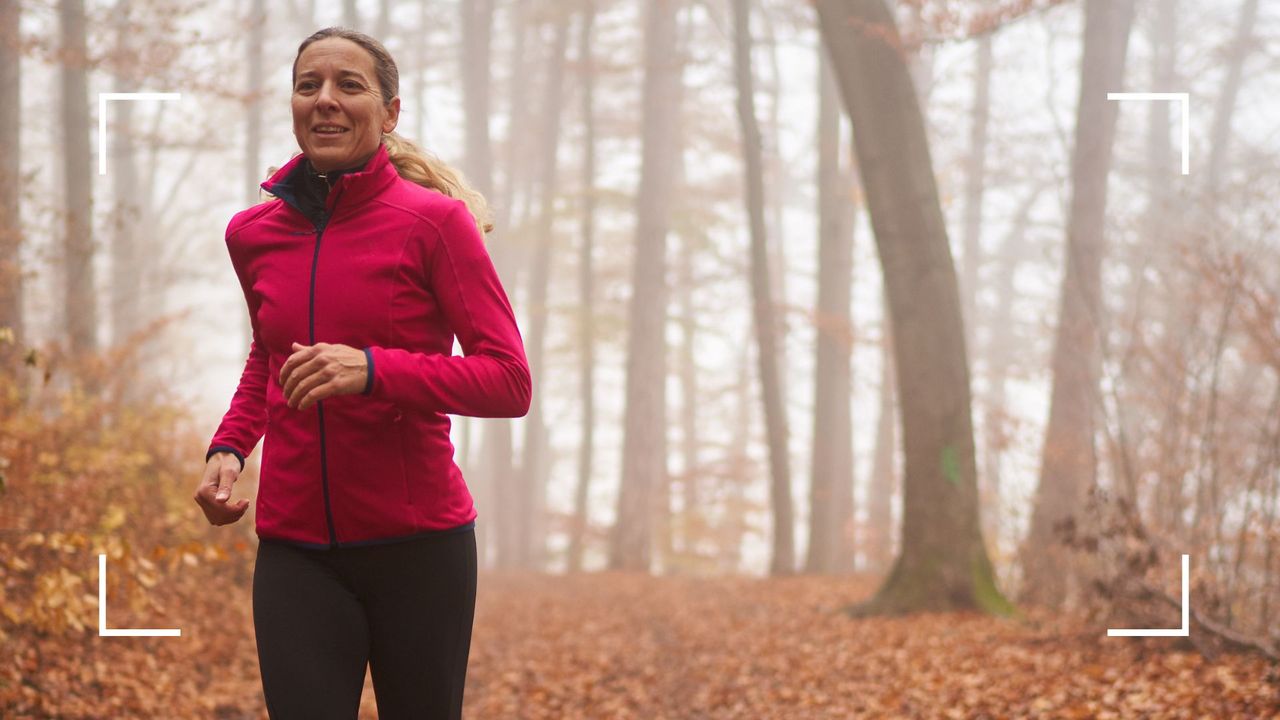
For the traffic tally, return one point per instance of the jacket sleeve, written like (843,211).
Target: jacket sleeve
(491,378)
(246,420)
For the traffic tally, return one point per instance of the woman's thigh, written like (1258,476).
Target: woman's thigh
(420,601)
(312,635)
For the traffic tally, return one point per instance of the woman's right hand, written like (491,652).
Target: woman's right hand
(214,492)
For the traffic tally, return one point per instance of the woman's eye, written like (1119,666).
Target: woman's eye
(352,85)
(305,86)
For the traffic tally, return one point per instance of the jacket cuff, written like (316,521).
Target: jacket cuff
(368,383)
(225,448)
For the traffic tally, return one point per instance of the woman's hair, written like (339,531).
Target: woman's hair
(412,162)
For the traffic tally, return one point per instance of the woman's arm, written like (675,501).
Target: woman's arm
(492,378)
(246,420)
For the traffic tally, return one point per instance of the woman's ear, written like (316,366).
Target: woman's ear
(393,115)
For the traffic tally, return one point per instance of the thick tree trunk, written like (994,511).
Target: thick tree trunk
(81,306)
(944,563)
(11,305)
(1069,462)
(783,560)
(586,287)
(534,468)
(831,547)
(644,446)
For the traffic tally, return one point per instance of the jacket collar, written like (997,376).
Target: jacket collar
(354,187)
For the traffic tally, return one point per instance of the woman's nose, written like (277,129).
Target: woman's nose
(325,98)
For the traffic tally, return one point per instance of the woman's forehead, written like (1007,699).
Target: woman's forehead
(335,54)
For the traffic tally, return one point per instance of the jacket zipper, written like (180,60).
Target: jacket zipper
(311,319)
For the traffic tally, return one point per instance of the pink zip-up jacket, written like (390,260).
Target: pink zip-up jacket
(397,270)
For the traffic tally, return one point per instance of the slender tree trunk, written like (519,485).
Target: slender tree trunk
(644,446)
(351,15)
(778,183)
(883,485)
(254,172)
(534,470)
(1224,108)
(586,288)
(783,560)
(382,30)
(831,548)
(420,74)
(513,162)
(11,281)
(495,485)
(975,184)
(692,476)
(1162,212)
(127,277)
(81,299)
(1069,462)
(944,563)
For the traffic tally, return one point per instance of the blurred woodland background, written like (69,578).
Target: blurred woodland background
(883,301)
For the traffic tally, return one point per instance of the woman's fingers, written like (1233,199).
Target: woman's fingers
(307,385)
(226,478)
(214,491)
(301,356)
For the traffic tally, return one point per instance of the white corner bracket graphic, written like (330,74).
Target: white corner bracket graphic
(103,630)
(1183,631)
(1185,99)
(102,117)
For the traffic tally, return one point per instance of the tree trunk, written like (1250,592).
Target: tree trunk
(81,306)
(534,469)
(944,563)
(883,485)
(1160,221)
(783,560)
(382,30)
(515,153)
(254,172)
(1001,348)
(975,184)
(586,288)
(127,277)
(1069,462)
(494,484)
(831,548)
(644,446)
(1224,108)
(11,305)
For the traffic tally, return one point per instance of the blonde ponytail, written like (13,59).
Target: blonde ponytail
(419,166)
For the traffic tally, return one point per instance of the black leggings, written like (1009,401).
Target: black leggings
(403,608)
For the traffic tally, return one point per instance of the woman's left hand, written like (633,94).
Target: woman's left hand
(315,372)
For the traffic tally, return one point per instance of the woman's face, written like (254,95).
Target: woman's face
(338,113)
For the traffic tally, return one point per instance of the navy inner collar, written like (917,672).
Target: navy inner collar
(306,189)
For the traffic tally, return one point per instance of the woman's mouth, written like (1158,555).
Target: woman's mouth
(328,130)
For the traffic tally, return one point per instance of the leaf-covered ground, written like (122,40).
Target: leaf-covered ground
(614,645)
